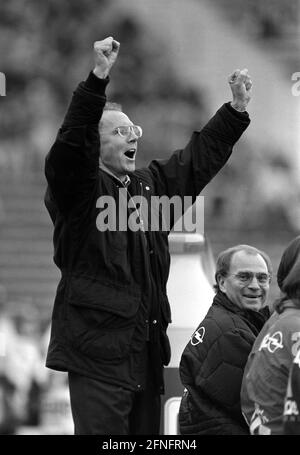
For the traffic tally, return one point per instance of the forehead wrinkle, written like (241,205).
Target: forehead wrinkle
(239,259)
(113,119)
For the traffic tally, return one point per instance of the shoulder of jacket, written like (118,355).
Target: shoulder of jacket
(289,326)
(226,320)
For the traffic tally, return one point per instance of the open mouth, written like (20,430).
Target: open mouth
(252,296)
(130,154)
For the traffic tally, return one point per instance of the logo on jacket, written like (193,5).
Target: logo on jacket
(297,359)
(272,342)
(198,336)
(290,408)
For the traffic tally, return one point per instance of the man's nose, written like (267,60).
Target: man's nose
(254,284)
(132,137)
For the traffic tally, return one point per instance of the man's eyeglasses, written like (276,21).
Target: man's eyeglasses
(125,131)
(247,277)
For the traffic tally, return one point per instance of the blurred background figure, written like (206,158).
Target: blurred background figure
(48,401)
(55,416)
(21,367)
(8,412)
(22,363)
(55,410)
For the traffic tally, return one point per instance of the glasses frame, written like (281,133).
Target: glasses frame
(250,279)
(130,129)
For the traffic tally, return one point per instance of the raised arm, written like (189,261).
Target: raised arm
(72,164)
(189,170)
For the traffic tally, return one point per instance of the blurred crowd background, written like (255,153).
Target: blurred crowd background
(171,76)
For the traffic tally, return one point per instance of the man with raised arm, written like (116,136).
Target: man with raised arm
(111,310)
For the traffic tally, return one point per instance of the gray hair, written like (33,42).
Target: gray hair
(110,106)
(224,260)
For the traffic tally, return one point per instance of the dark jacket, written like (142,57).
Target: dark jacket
(211,369)
(111,298)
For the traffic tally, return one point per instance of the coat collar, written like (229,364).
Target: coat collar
(256,318)
(124,182)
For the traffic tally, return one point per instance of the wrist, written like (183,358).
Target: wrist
(101,74)
(240,107)
(95,84)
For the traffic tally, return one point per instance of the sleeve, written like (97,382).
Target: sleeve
(189,170)
(221,374)
(71,166)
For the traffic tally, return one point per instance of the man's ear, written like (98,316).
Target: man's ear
(221,282)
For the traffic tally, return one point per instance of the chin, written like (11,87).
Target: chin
(256,306)
(130,168)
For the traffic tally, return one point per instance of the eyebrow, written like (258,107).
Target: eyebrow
(250,271)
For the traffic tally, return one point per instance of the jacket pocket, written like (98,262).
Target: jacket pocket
(101,318)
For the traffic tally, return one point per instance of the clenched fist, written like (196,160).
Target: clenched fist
(105,53)
(241,85)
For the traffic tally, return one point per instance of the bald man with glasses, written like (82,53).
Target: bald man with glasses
(111,310)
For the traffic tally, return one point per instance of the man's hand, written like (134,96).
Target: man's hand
(105,52)
(240,84)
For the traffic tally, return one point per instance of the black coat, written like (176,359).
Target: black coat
(212,366)
(112,294)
